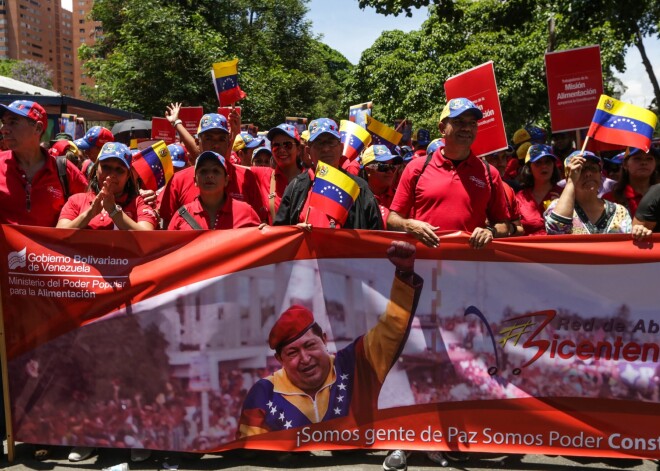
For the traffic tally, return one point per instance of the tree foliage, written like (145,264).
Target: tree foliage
(158,51)
(404,73)
(28,71)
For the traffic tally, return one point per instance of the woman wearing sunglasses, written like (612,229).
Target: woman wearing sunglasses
(379,168)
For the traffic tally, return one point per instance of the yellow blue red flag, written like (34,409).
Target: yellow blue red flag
(333,192)
(616,122)
(383,134)
(354,138)
(154,166)
(225,81)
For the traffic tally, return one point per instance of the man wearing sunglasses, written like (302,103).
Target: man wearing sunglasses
(379,167)
(325,146)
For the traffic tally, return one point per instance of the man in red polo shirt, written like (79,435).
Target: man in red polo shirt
(455,191)
(31,192)
(213,134)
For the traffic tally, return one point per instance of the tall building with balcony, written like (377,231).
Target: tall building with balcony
(41,30)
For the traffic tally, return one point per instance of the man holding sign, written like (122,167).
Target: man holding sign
(452,189)
(297,205)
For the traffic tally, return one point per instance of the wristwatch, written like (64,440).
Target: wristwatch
(115,211)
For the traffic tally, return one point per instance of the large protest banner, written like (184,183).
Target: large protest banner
(533,345)
(575,83)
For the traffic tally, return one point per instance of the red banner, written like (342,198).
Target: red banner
(543,345)
(162,130)
(479,85)
(191,116)
(575,83)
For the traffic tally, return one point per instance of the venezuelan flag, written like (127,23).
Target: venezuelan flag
(616,122)
(154,166)
(333,192)
(354,138)
(383,134)
(225,81)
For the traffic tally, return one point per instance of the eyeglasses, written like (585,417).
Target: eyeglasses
(288,145)
(384,167)
(332,143)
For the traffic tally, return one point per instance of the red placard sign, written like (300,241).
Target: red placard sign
(191,116)
(479,85)
(575,83)
(161,129)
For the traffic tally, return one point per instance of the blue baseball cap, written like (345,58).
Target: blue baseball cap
(178,154)
(379,153)
(212,121)
(116,150)
(457,106)
(406,153)
(434,145)
(245,140)
(27,109)
(323,126)
(210,155)
(96,136)
(537,151)
(287,129)
(586,154)
(422,137)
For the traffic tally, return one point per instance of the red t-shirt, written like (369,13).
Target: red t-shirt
(452,198)
(263,176)
(38,203)
(384,202)
(233,215)
(137,210)
(531,212)
(181,190)
(351,166)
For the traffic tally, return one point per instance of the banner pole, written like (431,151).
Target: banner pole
(5,387)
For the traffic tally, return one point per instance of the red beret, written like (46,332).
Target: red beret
(291,325)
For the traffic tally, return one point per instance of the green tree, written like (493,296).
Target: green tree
(28,71)
(404,73)
(159,51)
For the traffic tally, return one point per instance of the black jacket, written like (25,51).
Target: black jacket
(364,214)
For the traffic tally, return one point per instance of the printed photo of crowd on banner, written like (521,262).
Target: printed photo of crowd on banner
(330,277)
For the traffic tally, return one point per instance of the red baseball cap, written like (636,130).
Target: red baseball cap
(292,324)
(28,109)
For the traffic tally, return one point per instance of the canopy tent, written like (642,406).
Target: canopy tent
(56,105)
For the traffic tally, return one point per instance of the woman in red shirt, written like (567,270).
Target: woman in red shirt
(539,177)
(214,208)
(112,200)
(637,176)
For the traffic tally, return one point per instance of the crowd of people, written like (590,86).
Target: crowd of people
(227,178)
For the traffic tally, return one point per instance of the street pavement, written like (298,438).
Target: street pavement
(324,460)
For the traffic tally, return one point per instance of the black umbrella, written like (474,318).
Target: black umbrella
(124,131)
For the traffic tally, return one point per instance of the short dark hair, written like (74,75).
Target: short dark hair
(527,179)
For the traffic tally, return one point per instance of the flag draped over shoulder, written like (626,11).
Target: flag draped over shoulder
(354,139)
(383,134)
(333,192)
(616,122)
(154,166)
(225,81)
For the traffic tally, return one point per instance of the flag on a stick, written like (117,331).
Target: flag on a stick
(383,134)
(154,165)
(333,192)
(354,139)
(225,81)
(616,122)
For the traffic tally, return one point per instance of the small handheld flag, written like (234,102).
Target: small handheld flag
(154,166)
(616,122)
(354,139)
(333,192)
(225,81)
(383,134)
